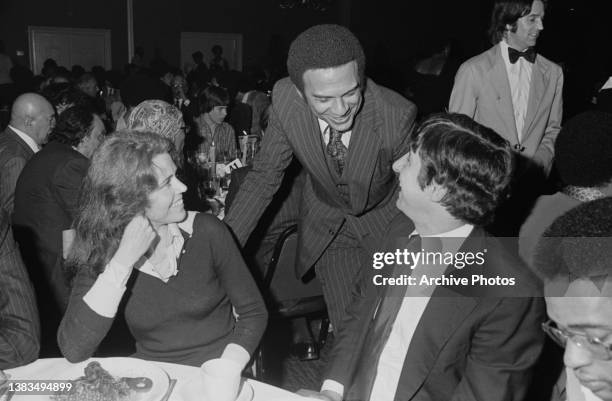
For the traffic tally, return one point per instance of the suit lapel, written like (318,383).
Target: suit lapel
(444,313)
(539,81)
(498,77)
(446,310)
(308,137)
(363,153)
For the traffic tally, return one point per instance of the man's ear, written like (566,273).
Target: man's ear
(28,121)
(436,192)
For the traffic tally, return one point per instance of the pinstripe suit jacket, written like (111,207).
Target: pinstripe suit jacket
(14,153)
(19,324)
(379,136)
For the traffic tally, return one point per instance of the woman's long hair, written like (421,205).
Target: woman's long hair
(117,187)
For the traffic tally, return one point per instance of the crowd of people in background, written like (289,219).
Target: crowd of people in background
(99,189)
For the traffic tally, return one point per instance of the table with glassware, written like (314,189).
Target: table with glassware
(214,170)
(216,380)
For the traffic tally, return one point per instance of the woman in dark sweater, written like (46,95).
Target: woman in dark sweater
(188,296)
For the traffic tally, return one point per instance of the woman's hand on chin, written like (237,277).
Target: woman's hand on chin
(136,240)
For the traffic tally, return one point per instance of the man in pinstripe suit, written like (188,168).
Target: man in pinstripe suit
(19,325)
(346,132)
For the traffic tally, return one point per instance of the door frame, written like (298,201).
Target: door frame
(35,30)
(214,36)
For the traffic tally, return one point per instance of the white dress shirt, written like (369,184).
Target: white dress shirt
(394,352)
(27,139)
(519,77)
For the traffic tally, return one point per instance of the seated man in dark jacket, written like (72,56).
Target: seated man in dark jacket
(427,321)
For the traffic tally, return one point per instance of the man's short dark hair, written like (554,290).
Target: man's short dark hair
(324,46)
(72,126)
(583,150)
(578,244)
(64,95)
(507,12)
(212,97)
(472,162)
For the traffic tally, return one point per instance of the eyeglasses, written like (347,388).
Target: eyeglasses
(595,346)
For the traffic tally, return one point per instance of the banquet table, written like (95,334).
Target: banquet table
(44,369)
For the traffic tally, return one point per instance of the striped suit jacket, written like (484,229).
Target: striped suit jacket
(379,136)
(14,153)
(19,324)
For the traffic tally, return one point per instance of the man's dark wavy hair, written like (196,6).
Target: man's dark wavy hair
(472,162)
(72,126)
(117,187)
(324,46)
(213,96)
(507,12)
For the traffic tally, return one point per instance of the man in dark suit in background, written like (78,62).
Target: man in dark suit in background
(346,131)
(46,201)
(32,118)
(19,324)
(46,195)
(442,340)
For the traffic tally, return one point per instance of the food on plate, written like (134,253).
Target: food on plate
(100,385)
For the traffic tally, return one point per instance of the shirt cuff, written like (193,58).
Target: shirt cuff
(332,385)
(236,353)
(106,293)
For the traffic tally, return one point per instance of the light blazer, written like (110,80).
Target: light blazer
(470,344)
(482,91)
(380,136)
(14,153)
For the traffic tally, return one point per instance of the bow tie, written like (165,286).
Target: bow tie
(514,55)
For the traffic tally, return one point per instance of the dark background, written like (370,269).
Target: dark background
(394,33)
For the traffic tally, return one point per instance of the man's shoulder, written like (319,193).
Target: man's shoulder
(501,259)
(9,142)
(55,155)
(388,99)
(284,87)
(485,59)
(549,65)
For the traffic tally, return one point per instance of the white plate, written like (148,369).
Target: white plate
(124,367)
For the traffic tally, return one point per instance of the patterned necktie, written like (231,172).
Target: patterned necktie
(380,329)
(336,149)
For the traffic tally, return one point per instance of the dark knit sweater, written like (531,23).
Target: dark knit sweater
(187,320)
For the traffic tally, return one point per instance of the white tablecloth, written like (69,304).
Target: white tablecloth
(44,368)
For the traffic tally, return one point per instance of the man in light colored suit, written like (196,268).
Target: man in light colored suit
(346,131)
(510,88)
(32,119)
(413,340)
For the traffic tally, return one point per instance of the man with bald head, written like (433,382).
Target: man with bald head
(32,118)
